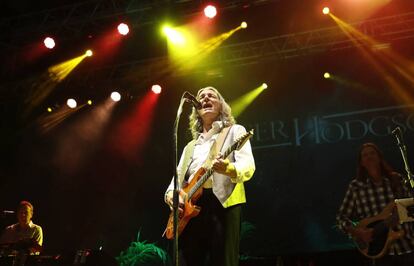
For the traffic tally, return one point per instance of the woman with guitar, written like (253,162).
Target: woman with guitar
(213,181)
(368,214)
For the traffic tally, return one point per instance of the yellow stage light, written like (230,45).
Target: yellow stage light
(243,25)
(49,109)
(89,102)
(239,105)
(326,10)
(89,53)
(327,75)
(264,86)
(174,36)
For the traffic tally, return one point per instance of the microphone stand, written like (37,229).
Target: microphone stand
(176,191)
(403,149)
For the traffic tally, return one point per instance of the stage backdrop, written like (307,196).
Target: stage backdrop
(307,133)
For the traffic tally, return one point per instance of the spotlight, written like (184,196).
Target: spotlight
(327,75)
(123,29)
(210,11)
(115,96)
(49,42)
(174,36)
(89,102)
(89,53)
(326,10)
(49,109)
(264,86)
(156,89)
(71,103)
(243,25)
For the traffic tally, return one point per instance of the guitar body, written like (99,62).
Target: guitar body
(190,210)
(382,235)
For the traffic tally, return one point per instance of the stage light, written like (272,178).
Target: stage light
(174,36)
(123,29)
(326,10)
(89,102)
(71,103)
(89,53)
(243,25)
(210,11)
(49,109)
(49,42)
(264,86)
(156,89)
(327,75)
(240,104)
(116,96)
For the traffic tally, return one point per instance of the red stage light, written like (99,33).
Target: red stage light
(49,42)
(123,29)
(116,96)
(210,11)
(156,89)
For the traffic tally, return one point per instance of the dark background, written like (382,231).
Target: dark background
(297,188)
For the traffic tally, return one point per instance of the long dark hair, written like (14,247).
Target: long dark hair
(385,168)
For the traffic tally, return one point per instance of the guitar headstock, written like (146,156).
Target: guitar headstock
(243,139)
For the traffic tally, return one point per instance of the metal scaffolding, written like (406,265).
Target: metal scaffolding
(385,30)
(282,47)
(80,16)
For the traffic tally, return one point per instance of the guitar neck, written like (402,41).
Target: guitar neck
(209,172)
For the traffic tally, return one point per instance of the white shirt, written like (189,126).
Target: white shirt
(202,149)
(244,162)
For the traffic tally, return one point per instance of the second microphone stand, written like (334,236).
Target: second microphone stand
(403,149)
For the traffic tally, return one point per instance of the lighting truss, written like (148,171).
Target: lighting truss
(276,48)
(324,40)
(81,16)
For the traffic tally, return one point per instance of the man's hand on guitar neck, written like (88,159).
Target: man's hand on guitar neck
(361,234)
(224,166)
(169,201)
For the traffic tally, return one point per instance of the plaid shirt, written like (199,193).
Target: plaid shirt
(363,200)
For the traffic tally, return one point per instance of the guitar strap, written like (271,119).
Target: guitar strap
(222,137)
(217,146)
(188,159)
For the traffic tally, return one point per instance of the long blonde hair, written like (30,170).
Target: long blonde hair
(196,124)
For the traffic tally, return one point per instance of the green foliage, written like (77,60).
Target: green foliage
(142,253)
(246,230)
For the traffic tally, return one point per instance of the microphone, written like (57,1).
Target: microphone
(396,131)
(190,98)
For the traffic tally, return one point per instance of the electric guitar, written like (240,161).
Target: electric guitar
(383,233)
(194,190)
